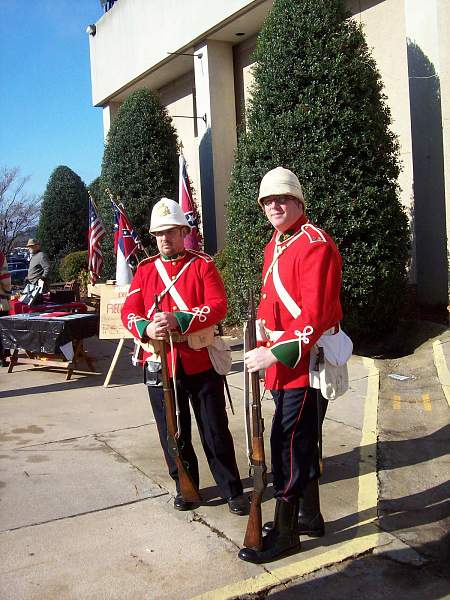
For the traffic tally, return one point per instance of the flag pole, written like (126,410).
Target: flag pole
(117,205)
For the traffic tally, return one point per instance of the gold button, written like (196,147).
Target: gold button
(263,321)
(173,277)
(268,344)
(174,262)
(174,308)
(264,296)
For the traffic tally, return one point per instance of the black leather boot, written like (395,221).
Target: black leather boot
(281,541)
(310,520)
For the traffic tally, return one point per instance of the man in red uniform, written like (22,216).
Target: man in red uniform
(192,301)
(299,304)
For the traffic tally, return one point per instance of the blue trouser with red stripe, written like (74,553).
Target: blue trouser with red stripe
(294,442)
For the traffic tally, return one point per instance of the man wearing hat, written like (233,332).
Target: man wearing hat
(192,301)
(39,265)
(5,295)
(299,303)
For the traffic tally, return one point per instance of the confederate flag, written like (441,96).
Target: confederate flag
(193,240)
(126,244)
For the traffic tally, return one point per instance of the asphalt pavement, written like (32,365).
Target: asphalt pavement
(86,505)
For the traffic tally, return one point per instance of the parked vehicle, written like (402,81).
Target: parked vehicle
(18,270)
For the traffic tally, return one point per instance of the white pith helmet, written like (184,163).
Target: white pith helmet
(280,182)
(167,214)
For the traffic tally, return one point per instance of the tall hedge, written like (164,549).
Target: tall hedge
(63,222)
(318,109)
(140,163)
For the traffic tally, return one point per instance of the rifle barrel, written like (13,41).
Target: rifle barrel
(188,488)
(253,535)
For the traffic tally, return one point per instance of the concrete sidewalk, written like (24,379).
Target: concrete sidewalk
(86,502)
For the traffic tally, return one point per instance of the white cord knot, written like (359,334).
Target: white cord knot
(303,335)
(201,312)
(132,318)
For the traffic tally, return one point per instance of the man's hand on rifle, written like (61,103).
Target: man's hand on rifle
(162,323)
(259,358)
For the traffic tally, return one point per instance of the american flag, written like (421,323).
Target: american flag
(193,240)
(96,234)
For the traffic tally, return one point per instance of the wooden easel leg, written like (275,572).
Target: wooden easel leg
(114,361)
(89,361)
(13,360)
(70,369)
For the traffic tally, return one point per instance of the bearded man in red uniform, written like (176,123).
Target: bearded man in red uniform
(191,299)
(299,304)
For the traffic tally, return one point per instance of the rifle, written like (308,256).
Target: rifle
(255,450)
(188,489)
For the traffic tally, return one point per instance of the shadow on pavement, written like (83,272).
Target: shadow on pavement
(85,381)
(394,454)
(369,577)
(409,335)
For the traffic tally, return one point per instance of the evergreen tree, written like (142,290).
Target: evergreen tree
(318,109)
(63,222)
(140,162)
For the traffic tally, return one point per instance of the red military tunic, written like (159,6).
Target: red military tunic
(308,270)
(200,287)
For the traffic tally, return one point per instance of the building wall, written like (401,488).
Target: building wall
(179,99)
(427,30)
(122,51)
(219,87)
(243,76)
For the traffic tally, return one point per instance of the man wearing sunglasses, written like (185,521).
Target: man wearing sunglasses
(299,304)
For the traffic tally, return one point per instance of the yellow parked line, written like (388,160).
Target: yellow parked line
(426,402)
(396,402)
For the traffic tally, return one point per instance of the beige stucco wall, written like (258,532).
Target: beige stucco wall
(429,26)
(179,99)
(444,59)
(384,27)
(137,35)
(214,79)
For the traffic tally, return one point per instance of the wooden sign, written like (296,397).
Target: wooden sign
(112,298)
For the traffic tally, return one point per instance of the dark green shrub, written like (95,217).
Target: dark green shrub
(63,223)
(318,109)
(140,165)
(72,265)
(220,260)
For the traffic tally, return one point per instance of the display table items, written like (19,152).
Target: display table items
(49,339)
(18,308)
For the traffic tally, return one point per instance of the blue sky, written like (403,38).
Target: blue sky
(47,117)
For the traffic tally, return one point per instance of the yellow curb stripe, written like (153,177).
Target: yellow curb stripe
(363,541)
(367,482)
(295,570)
(329,557)
(442,369)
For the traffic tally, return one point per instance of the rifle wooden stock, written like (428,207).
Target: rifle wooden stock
(253,534)
(188,489)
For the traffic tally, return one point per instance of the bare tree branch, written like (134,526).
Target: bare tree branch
(18,210)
